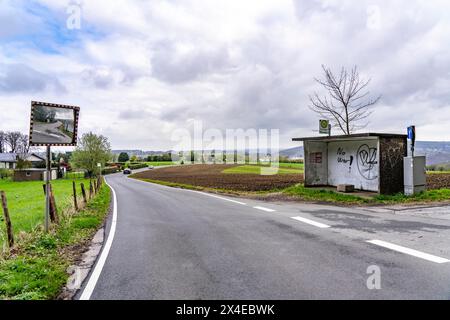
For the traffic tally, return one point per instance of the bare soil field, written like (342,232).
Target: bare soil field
(438,181)
(211,176)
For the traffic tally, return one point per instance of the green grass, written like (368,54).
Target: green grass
(74,175)
(317,194)
(438,172)
(26,201)
(284,168)
(322,195)
(427,196)
(160,163)
(37,270)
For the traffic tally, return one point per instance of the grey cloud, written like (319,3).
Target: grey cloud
(134,114)
(18,78)
(172,66)
(101,78)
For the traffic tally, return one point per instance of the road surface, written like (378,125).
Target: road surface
(49,133)
(180,244)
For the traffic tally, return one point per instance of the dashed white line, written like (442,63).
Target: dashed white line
(221,198)
(264,209)
(409,251)
(312,222)
(90,286)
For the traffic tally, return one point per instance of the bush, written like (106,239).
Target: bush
(135,166)
(5,173)
(110,170)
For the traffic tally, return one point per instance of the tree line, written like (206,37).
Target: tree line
(14,142)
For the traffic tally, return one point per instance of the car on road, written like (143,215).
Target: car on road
(127,171)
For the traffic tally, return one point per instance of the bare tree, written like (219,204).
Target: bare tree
(347,103)
(13,139)
(2,142)
(24,145)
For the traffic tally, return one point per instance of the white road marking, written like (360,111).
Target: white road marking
(217,197)
(90,286)
(264,209)
(311,222)
(411,252)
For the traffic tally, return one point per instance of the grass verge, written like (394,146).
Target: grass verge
(36,268)
(160,163)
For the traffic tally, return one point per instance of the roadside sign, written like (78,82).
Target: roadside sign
(53,124)
(324,126)
(412,133)
(412,139)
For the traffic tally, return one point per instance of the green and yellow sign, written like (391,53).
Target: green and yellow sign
(324,126)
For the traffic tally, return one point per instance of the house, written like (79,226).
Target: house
(9,160)
(33,175)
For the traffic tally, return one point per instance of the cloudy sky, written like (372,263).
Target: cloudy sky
(141,69)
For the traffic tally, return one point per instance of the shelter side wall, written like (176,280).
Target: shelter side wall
(316,163)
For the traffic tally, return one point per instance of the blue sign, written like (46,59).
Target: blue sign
(412,133)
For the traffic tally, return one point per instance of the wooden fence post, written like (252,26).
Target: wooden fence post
(95,187)
(75,201)
(83,192)
(9,229)
(53,210)
(91,189)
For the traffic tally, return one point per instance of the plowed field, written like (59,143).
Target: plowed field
(211,176)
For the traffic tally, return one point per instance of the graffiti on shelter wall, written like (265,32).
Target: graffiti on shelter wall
(367,161)
(343,158)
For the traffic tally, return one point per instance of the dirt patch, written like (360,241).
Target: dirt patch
(438,181)
(211,176)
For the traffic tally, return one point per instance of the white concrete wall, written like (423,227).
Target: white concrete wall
(354,162)
(53,176)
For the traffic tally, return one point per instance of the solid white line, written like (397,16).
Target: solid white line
(264,209)
(90,286)
(411,252)
(311,222)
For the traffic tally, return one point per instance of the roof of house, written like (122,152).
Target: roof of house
(352,137)
(12,157)
(8,157)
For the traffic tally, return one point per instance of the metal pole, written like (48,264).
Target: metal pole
(47,189)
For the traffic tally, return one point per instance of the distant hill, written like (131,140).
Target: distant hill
(436,152)
(296,152)
(139,153)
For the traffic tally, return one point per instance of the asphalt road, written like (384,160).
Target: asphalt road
(49,133)
(179,244)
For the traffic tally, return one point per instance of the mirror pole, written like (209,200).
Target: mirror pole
(47,189)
